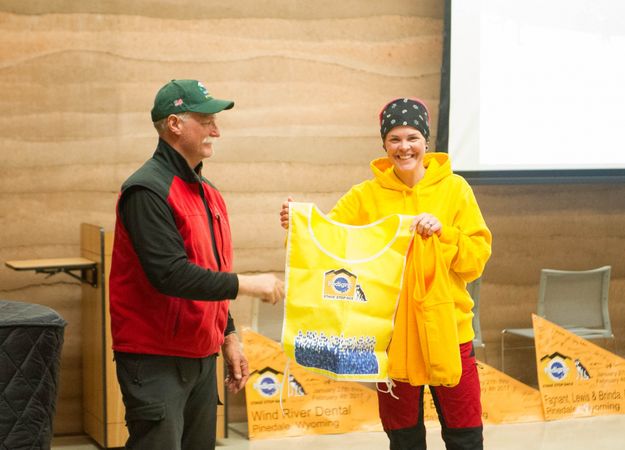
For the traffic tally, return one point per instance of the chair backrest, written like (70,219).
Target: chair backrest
(474,291)
(573,298)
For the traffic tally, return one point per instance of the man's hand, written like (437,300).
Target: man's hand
(267,287)
(237,370)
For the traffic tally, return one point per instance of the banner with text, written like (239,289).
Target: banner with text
(576,377)
(308,404)
(504,399)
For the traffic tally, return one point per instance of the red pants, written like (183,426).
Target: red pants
(459,410)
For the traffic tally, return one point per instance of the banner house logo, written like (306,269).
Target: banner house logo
(339,285)
(556,366)
(267,384)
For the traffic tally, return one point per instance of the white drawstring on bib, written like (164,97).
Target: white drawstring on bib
(390,384)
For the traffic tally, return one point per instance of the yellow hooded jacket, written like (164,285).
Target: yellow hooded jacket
(465,243)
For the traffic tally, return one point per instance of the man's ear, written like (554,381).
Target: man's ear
(174,124)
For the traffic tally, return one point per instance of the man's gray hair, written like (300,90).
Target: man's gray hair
(161,125)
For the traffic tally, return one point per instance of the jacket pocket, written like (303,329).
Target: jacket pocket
(141,421)
(441,334)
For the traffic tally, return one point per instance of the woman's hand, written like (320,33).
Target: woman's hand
(284,213)
(426,225)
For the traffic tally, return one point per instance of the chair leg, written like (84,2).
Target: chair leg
(482,352)
(503,338)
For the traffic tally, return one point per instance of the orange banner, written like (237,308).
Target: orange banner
(576,377)
(504,399)
(311,403)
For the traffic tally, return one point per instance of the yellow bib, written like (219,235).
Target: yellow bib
(342,288)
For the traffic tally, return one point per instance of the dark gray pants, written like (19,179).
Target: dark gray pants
(171,402)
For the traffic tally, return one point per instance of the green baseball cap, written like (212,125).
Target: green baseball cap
(179,96)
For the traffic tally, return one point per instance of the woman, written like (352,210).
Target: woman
(408,180)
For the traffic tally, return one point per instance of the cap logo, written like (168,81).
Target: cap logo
(203,89)
(178,102)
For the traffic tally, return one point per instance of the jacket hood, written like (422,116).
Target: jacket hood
(437,167)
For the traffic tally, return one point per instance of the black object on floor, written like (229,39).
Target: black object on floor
(31,339)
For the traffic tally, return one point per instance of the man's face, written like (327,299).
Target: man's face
(199,132)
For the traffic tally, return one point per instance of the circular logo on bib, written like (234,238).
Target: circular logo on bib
(341,284)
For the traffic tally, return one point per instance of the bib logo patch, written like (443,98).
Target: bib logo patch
(341,284)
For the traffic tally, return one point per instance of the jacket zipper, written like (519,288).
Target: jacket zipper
(209,214)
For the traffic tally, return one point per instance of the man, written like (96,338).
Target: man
(171,280)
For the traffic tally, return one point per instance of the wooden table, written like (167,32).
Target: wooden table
(52,266)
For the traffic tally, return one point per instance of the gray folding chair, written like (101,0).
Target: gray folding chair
(573,299)
(474,291)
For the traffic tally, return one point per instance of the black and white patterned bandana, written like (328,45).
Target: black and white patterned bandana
(405,111)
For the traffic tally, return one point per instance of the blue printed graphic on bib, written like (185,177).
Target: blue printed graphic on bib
(336,354)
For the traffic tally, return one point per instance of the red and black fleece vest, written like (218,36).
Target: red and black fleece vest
(144,320)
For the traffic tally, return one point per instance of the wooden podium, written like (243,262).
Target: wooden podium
(102,406)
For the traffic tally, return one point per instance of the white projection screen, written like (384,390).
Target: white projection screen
(537,87)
